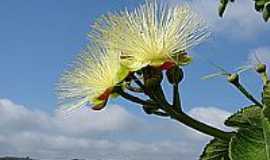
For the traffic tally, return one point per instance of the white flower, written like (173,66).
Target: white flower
(91,79)
(153,34)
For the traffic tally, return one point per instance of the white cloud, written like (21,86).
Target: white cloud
(210,115)
(111,134)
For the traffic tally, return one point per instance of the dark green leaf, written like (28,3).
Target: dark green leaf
(245,118)
(249,144)
(252,141)
(216,150)
(266,100)
(266,132)
(266,11)
(222,6)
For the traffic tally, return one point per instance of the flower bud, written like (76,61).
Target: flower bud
(175,75)
(233,78)
(152,76)
(261,68)
(152,81)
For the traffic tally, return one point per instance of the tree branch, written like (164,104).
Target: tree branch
(176,98)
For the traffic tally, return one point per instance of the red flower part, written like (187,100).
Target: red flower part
(167,65)
(105,95)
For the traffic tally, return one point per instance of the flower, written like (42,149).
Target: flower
(154,34)
(91,79)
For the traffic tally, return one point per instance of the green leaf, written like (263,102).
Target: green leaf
(266,100)
(216,150)
(266,132)
(249,144)
(266,116)
(266,11)
(252,141)
(259,5)
(245,118)
(222,7)
(260,2)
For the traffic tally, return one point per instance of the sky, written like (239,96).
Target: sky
(39,39)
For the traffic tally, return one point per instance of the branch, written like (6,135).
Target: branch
(137,81)
(242,89)
(234,79)
(199,126)
(176,98)
(130,97)
(181,117)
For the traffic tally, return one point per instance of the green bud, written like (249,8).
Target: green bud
(175,75)
(266,11)
(152,81)
(233,78)
(152,76)
(261,68)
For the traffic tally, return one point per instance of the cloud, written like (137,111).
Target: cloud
(210,115)
(261,54)
(111,134)
(240,21)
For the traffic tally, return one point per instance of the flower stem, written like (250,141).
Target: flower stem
(264,77)
(176,98)
(199,126)
(242,89)
(181,117)
(130,97)
(137,81)
(178,114)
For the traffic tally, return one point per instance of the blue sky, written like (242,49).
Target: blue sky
(40,38)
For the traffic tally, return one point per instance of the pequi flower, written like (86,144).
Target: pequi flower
(154,34)
(91,79)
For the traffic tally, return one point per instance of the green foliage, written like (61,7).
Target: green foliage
(262,6)
(266,100)
(249,143)
(250,116)
(252,138)
(259,5)
(266,116)
(222,7)
(216,150)
(266,10)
